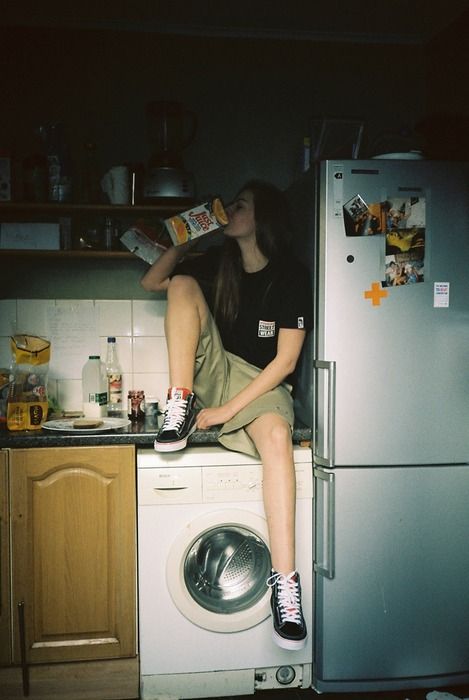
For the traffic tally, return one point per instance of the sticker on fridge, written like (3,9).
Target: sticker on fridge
(362,219)
(441,295)
(405,241)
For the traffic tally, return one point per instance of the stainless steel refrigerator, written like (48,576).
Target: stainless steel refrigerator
(384,383)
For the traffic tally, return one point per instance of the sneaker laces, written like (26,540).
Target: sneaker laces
(174,414)
(288,596)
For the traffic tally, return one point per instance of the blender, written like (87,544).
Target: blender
(171,128)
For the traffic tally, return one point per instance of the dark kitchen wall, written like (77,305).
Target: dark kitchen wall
(445,127)
(254,100)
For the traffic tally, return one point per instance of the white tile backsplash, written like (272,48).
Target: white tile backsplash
(7,329)
(114,317)
(149,355)
(34,316)
(7,317)
(5,352)
(148,317)
(78,328)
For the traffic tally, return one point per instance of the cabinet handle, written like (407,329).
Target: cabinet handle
(24,663)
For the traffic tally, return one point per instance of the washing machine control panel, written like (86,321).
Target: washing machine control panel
(193,476)
(244,483)
(230,484)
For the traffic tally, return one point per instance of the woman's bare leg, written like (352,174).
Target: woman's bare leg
(272,436)
(186,317)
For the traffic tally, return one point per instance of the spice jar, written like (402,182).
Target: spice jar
(136,405)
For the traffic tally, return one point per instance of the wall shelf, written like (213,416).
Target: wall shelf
(84,254)
(163,207)
(77,217)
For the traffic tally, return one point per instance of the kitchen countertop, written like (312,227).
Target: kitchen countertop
(140,434)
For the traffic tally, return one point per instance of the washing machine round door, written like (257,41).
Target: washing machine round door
(217,571)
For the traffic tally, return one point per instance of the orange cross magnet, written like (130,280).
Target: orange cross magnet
(376,293)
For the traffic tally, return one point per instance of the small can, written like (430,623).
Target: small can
(151,412)
(136,405)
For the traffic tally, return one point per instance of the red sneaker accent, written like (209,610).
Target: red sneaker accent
(178,392)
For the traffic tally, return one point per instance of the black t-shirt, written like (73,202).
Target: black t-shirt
(273,298)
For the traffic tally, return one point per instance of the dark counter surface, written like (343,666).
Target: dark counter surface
(140,434)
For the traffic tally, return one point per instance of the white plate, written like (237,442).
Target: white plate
(66,424)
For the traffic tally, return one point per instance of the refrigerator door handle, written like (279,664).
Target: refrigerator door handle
(325,525)
(324,404)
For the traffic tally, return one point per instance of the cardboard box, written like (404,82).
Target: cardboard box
(29,236)
(141,245)
(196,221)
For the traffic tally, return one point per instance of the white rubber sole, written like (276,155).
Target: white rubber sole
(288,644)
(173,446)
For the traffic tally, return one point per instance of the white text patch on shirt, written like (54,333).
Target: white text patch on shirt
(266,329)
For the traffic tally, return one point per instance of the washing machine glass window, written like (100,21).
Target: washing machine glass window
(205,555)
(226,569)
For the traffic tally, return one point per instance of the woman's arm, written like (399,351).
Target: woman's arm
(290,342)
(157,277)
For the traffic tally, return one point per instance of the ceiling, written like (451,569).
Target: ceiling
(362,21)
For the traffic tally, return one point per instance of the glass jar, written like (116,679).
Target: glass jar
(136,405)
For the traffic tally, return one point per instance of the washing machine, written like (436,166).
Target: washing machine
(205,627)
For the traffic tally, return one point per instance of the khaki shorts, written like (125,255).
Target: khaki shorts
(220,375)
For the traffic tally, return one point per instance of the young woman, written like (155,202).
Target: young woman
(236,321)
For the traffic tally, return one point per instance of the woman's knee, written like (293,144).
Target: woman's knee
(280,435)
(185,294)
(272,432)
(183,285)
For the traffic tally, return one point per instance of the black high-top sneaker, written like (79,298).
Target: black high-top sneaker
(289,625)
(178,421)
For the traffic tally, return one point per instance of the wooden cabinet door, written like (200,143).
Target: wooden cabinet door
(5,643)
(73,521)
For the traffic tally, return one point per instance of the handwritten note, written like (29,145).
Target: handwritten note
(74,336)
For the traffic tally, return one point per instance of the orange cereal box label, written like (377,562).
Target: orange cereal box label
(196,221)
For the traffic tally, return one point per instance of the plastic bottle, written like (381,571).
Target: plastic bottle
(109,245)
(94,384)
(114,378)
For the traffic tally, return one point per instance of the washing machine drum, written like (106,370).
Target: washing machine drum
(217,569)
(226,569)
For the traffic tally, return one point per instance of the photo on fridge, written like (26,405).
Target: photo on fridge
(362,219)
(405,241)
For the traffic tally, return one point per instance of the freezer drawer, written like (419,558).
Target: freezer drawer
(392,563)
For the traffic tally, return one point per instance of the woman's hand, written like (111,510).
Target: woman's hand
(208,417)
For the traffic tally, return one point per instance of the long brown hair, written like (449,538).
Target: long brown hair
(272,219)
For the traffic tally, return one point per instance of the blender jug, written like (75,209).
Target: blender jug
(171,129)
